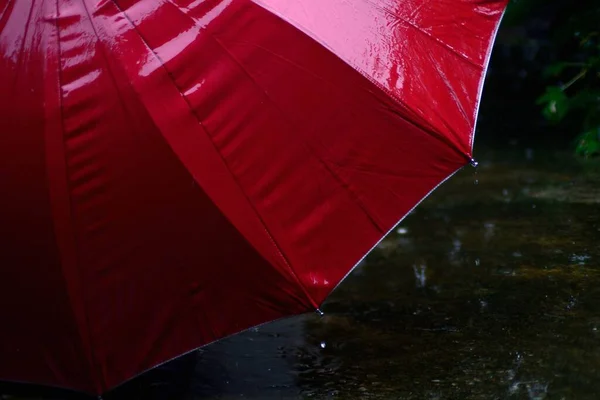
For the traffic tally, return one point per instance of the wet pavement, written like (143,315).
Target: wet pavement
(490,289)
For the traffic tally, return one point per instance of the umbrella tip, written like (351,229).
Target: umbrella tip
(321,313)
(473,163)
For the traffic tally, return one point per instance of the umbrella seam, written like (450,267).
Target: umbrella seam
(238,184)
(110,72)
(21,52)
(392,228)
(86,335)
(358,69)
(450,88)
(345,185)
(397,101)
(416,120)
(422,31)
(5,13)
(123,104)
(428,131)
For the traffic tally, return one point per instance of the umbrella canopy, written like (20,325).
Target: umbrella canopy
(176,171)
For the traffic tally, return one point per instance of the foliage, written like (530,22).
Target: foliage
(574,79)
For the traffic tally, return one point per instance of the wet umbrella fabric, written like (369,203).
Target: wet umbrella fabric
(176,171)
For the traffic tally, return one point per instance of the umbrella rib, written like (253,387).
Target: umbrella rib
(405,108)
(225,163)
(449,48)
(22,47)
(448,85)
(325,165)
(424,32)
(345,185)
(5,14)
(84,331)
(428,130)
(413,118)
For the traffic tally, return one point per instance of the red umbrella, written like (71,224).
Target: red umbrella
(176,171)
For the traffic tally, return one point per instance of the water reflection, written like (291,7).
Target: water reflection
(580,258)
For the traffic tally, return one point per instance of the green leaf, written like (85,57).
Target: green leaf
(588,143)
(556,104)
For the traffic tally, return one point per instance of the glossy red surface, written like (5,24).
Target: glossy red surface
(174,172)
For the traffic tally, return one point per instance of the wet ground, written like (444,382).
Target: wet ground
(490,289)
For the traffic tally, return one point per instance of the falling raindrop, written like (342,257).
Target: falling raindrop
(477,262)
(456,244)
(483,304)
(529,154)
(323,345)
(420,275)
(402,231)
(519,358)
(489,230)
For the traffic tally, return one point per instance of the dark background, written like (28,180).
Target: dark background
(536,40)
